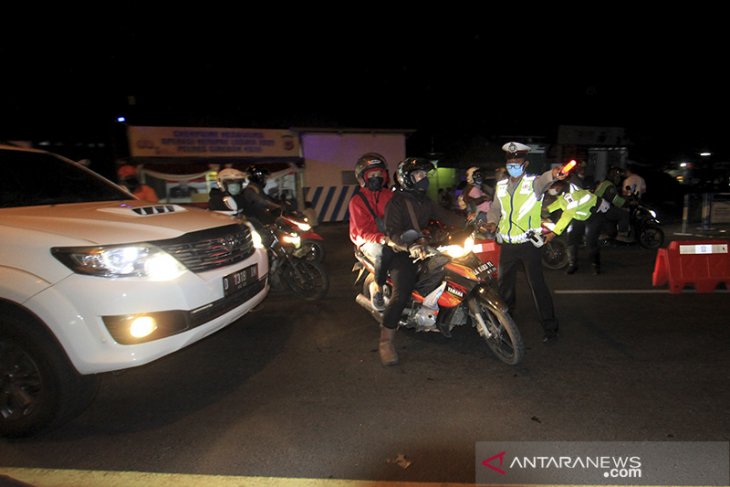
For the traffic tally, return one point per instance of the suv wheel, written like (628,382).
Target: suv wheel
(39,388)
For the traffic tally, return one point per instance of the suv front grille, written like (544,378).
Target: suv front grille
(210,249)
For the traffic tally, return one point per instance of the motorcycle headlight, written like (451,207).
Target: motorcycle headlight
(291,238)
(303,226)
(457,251)
(138,260)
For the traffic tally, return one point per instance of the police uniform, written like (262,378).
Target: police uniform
(516,210)
(585,207)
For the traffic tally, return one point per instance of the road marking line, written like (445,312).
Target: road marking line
(628,291)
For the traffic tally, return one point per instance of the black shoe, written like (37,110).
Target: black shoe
(550,337)
(571,269)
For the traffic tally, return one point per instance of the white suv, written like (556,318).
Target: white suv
(93,280)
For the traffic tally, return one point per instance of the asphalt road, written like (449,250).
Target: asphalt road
(296,389)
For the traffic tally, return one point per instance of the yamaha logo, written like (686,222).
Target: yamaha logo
(455,291)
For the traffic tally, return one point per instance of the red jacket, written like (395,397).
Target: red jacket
(362,223)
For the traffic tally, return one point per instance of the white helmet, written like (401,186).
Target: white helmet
(472,173)
(232,180)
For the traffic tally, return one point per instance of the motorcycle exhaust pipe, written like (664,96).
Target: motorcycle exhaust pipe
(365,303)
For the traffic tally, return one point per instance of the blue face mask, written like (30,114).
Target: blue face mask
(421,185)
(515,170)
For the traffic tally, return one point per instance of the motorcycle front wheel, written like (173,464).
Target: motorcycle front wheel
(307,279)
(314,250)
(498,329)
(651,237)
(555,254)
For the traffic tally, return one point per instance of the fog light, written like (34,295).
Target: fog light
(142,326)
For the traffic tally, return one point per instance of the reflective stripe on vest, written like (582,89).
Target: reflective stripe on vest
(520,210)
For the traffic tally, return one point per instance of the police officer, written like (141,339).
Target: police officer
(583,206)
(617,214)
(409,209)
(514,215)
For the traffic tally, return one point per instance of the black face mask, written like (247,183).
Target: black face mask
(375,183)
(421,185)
(132,183)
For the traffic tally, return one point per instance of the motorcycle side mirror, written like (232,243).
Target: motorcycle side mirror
(410,236)
(230,203)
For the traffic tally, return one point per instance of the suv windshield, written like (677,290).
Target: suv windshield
(32,178)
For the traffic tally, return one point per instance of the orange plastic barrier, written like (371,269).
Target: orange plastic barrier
(700,264)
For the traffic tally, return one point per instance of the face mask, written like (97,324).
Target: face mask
(375,183)
(513,171)
(234,188)
(421,185)
(477,181)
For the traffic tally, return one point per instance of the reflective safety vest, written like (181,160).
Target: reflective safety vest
(578,205)
(520,210)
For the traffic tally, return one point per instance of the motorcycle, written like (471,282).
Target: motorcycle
(554,252)
(644,227)
(287,271)
(454,288)
(311,245)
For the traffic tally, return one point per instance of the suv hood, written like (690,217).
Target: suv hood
(113,222)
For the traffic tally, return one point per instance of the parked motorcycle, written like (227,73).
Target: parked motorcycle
(305,278)
(454,288)
(312,244)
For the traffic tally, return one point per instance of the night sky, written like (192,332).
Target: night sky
(454,76)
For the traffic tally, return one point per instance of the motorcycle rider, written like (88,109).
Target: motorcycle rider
(366,210)
(231,182)
(258,207)
(583,206)
(608,189)
(515,213)
(409,209)
(476,200)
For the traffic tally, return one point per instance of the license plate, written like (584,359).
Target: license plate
(240,279)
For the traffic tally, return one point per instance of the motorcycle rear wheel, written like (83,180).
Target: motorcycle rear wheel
(555,254)
(307,279)
(651,237)
(503,337)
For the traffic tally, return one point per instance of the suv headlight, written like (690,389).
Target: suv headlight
(137,260)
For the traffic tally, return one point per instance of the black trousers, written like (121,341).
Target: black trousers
(511,256)
(592,229)
(404,274)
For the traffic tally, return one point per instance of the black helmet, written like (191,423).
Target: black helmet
(615,175)
(408,166)
(369,161)
(258,175)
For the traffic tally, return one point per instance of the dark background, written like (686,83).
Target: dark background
(456,76)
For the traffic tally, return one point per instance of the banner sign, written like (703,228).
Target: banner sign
(603,463)
(211,142)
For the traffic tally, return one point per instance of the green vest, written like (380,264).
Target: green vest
(520,210)
(576,205)
(616,199)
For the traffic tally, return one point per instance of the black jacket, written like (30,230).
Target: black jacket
(398,219)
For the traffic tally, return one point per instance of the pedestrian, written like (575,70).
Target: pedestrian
(409,209)
(578,205)
(515,215)
(367,227)
(129,178)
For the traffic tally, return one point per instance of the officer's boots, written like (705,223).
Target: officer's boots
(386,347)
(572,252)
